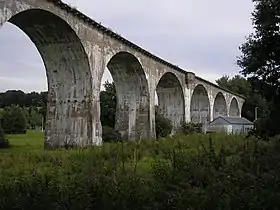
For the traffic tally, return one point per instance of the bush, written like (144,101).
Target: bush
(110,134)
(226,172)
(260,129)
(191,128)
(14,120)
(163,125)
(4,143)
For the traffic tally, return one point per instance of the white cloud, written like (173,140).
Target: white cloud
(201,35)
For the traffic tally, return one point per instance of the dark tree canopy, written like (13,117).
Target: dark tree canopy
(236,84)
(20,98)
(260,59)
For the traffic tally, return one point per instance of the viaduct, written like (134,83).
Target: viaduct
(76,50)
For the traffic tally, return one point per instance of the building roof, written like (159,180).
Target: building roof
(235,120)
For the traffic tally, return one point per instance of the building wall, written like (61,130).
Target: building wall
(241,129)
(219,128)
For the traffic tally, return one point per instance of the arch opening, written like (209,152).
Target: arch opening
(234,108)
(68,120)
(220,106)
(200,105)
(171,100)
(132,119)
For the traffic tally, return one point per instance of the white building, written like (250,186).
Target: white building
(236,125)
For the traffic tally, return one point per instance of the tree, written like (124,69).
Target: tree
(236,84)
(35,118)
(261,53)
(14,120)
(108,103)
(260,59)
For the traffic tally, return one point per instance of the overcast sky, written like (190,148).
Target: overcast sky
(198,35)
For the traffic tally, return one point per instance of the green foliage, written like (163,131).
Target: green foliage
(108,105)
(236,84)
(192,128)
(35,118)
(260,54)
(14,120)
(110,134)
(4,143)
(163,125)
(261,58)
(186,172)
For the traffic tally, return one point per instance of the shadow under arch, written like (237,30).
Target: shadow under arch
(220,106)
(69,118)
(171,102)
(234,108)
(200,105)
(133,98)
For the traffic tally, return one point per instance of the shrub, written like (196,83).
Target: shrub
(14,120)
(163,125)
(260,129)
(4,143)
(226,172)
(110,134)
(191,128)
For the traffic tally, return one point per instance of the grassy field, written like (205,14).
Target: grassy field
(180,172)
(26,154)
(31,140)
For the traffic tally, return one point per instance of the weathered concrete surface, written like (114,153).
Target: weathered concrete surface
(220,106)
(67,67)
(200,106)
(132,116)
(76,50)
(171,99)
(234,109)
(216,98)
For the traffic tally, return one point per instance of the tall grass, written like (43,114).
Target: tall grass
(180,172)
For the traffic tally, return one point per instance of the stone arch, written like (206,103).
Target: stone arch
(220,105)
(133,99)
(171,99)
(68,120)
(200,105)
(234,108)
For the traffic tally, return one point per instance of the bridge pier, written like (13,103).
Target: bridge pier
(171,100)
(133,97)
